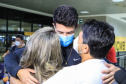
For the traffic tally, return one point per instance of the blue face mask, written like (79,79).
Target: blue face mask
(66,40)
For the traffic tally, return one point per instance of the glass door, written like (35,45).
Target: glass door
(2,45)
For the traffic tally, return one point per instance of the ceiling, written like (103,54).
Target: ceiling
(47,7)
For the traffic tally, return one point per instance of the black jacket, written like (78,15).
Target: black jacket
(70,56)
(120,77)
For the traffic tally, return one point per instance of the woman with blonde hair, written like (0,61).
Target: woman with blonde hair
(43,54)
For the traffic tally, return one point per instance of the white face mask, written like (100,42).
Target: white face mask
(75,45)
(17,43)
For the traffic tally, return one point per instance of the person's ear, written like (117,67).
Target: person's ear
(85,48)
(53,24)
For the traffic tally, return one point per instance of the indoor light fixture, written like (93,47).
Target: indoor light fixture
(117,0)
(84,12)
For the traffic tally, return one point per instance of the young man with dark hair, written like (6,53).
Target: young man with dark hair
(65,20)
(95,40)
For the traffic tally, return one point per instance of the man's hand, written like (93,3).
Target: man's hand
(109,78)
(25,76)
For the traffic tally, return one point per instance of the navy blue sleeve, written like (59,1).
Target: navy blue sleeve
(12,60)
(120,77)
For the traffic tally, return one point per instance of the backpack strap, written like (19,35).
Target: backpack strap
(13,48)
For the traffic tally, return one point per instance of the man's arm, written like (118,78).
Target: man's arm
(11,62)
(120,77)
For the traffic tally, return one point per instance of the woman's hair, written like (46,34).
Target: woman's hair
(43,53)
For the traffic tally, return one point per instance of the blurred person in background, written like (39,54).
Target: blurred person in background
(111,56)
(18,44)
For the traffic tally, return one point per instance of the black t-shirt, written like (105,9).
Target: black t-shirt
(71,59)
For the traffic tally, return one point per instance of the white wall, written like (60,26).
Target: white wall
(119,26)
(113,19)
(99,18)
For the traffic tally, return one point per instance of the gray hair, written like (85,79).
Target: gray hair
(43,53)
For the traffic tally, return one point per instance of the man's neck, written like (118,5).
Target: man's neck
(86,57)
(20,46)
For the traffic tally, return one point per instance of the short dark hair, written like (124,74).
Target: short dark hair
(99,36)
(65,15)
(20,36)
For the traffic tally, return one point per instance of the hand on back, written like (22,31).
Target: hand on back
(25,76)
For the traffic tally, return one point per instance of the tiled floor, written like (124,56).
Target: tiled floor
(1,82)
